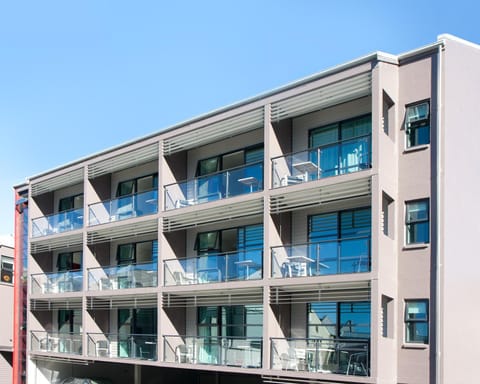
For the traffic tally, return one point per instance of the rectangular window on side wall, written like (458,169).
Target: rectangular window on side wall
(417,124)
(416,321)
(417,222)
(7,269)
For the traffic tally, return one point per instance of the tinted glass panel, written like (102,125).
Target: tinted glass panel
(356,127)
(324,135)
(208,166)
(126,188)
(126,254)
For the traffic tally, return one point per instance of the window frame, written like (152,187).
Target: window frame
(219,159)
(70,261)
(71,200)
(225,325)
(412,127)
(337,308)
(219,245)
(415,222)
(339,127)
(135,184)
(411,322)
(135,252)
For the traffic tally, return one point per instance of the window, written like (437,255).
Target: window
(339,320)
(417,222)
(341,240)
(223,327)
(345,146)
(139,185)
(416,321)
(69,261)
(137,332)
(7,269)
(417,124)
(69,321)
(70,202)
(220,251)
(233,321)
(229,160)
(131,253)
(229,240)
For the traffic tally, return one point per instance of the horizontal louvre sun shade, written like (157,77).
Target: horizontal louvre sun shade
(125,231)
(58,182)
(123,161)
(308,197)
(193,217)
(351,291)
(52,244)
(197,299)
(55,303)
(130,301)
(217,131)
(323,97)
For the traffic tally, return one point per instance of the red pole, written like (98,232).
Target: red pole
(20,292)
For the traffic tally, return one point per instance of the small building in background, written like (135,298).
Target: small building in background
(6,319)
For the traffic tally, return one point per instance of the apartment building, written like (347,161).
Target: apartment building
(6,323)
(323,232)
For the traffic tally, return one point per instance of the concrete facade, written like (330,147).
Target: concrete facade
(305,235)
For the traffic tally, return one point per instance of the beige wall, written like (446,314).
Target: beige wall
(460,230)
(414,176)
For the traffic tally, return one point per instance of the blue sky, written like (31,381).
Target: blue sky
(77,77)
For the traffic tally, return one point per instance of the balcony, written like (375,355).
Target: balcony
(122,277)
(243,352)
(57,282)
(230,266)
(57,223)
(217,186)
(126,207)
(321,258)
(131,346)
(336,356)
(58,343)
(344,157)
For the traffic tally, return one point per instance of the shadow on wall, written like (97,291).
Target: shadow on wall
(49,372)
(153,375)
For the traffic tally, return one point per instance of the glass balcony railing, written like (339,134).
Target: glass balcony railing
(330,160)
(122,277)
(131,346)
(57,223)
(243,352)
(57,282)
(61,343)
(231,266)
(140,204)
(337,356)
(220,185)
(322,258)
